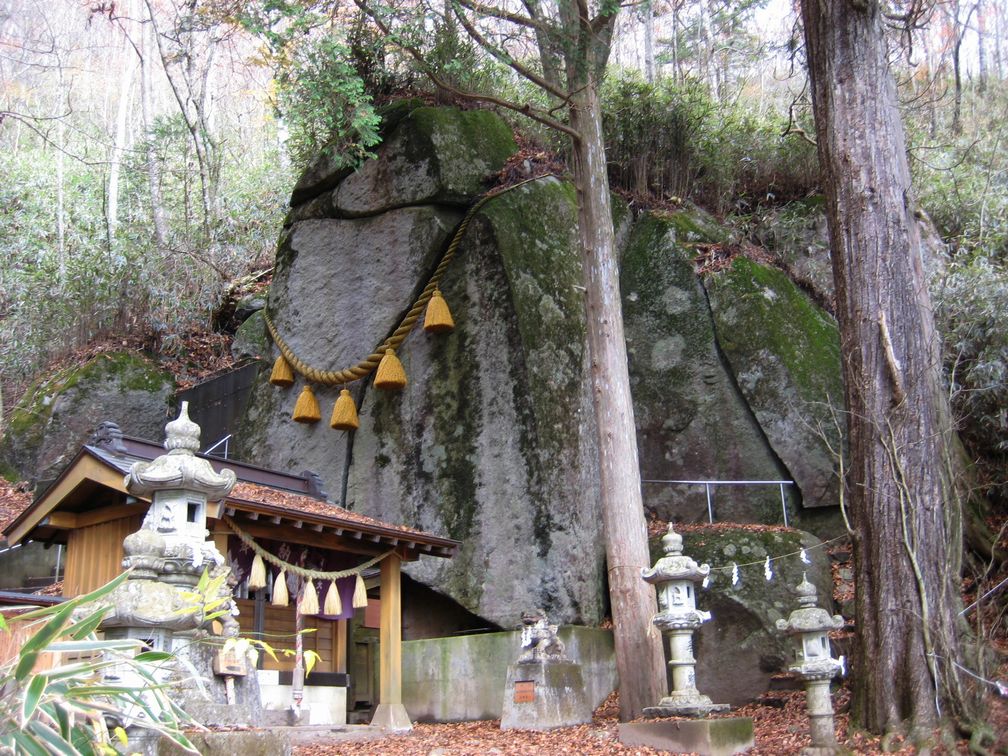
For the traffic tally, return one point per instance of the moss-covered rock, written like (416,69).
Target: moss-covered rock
(692,423)
(785,353)
(251,340)
(58,414)
(327,169)
(442,155)
(739,649)
(492,442)
(796,233)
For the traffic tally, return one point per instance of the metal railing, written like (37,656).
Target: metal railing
(707,489)
(224,441)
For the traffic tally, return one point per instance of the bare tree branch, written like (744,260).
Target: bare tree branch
(507,60)
(527,110)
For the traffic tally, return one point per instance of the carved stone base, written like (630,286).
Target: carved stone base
(684,704)
(544,695)
(710,737)
(392,716)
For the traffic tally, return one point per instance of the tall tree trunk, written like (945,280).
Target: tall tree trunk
(153,169)
(118,145)
(639,657)
(904,510)
(981,14)
(61,252)
(649,58)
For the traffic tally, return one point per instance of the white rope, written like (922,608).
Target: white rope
(801,553)
(992,590)
(301,571)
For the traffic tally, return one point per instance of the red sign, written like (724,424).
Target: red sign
(524,691)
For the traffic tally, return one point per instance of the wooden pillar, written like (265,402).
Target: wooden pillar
(340,646)
(390,712)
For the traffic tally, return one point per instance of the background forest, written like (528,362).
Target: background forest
(148,149)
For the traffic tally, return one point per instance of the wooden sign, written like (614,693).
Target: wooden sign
(524,691)
(227,662)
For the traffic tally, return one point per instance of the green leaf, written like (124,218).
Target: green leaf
(153,656)
(52,738)
(63,717)
(124,644)
(25,665)
(50,630)
(29,744)
(89,624)
(36,689)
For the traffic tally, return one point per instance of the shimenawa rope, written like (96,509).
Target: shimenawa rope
(369,363)
(301,571)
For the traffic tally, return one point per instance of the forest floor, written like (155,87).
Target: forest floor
(779,720)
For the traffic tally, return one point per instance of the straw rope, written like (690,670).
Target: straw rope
(295,569)
(368,364)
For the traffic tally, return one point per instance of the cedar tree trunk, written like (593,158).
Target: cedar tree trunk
(639,656)
(904,510)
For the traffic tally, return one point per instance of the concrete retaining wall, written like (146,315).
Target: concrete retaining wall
(462,678)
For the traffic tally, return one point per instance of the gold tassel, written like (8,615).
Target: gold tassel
(282,374)
(280,589)
(333,602)
(257,575)
(309,599)
(390,375)
(344,414)
(438,317)
(359,593)
(307,410)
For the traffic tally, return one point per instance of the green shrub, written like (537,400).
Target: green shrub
(66,709)
(971,307)
(669,140)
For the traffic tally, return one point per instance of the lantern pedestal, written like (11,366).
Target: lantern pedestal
(710,737)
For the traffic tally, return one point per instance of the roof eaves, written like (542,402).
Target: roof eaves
(403,535)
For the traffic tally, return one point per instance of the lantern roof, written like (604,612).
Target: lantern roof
(180,469)
(675,565)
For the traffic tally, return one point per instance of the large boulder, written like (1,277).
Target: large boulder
(57,415)
(692,421)
(785,354)
(492,441)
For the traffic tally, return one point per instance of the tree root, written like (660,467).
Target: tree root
(980,733)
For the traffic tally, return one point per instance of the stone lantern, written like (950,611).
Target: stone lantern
(675,577)
(815,665)
(167,557)
(172,544)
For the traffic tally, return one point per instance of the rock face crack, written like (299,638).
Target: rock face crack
(795,498)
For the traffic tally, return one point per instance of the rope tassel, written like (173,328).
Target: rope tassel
(282,374)
(333,602)
(309,599)
(257,575)
(307,408)
(438,318)
(344,414)
(280,589)
(390,375)
(360,593)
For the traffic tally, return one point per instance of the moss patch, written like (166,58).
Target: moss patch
(765,310)
(466,145)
